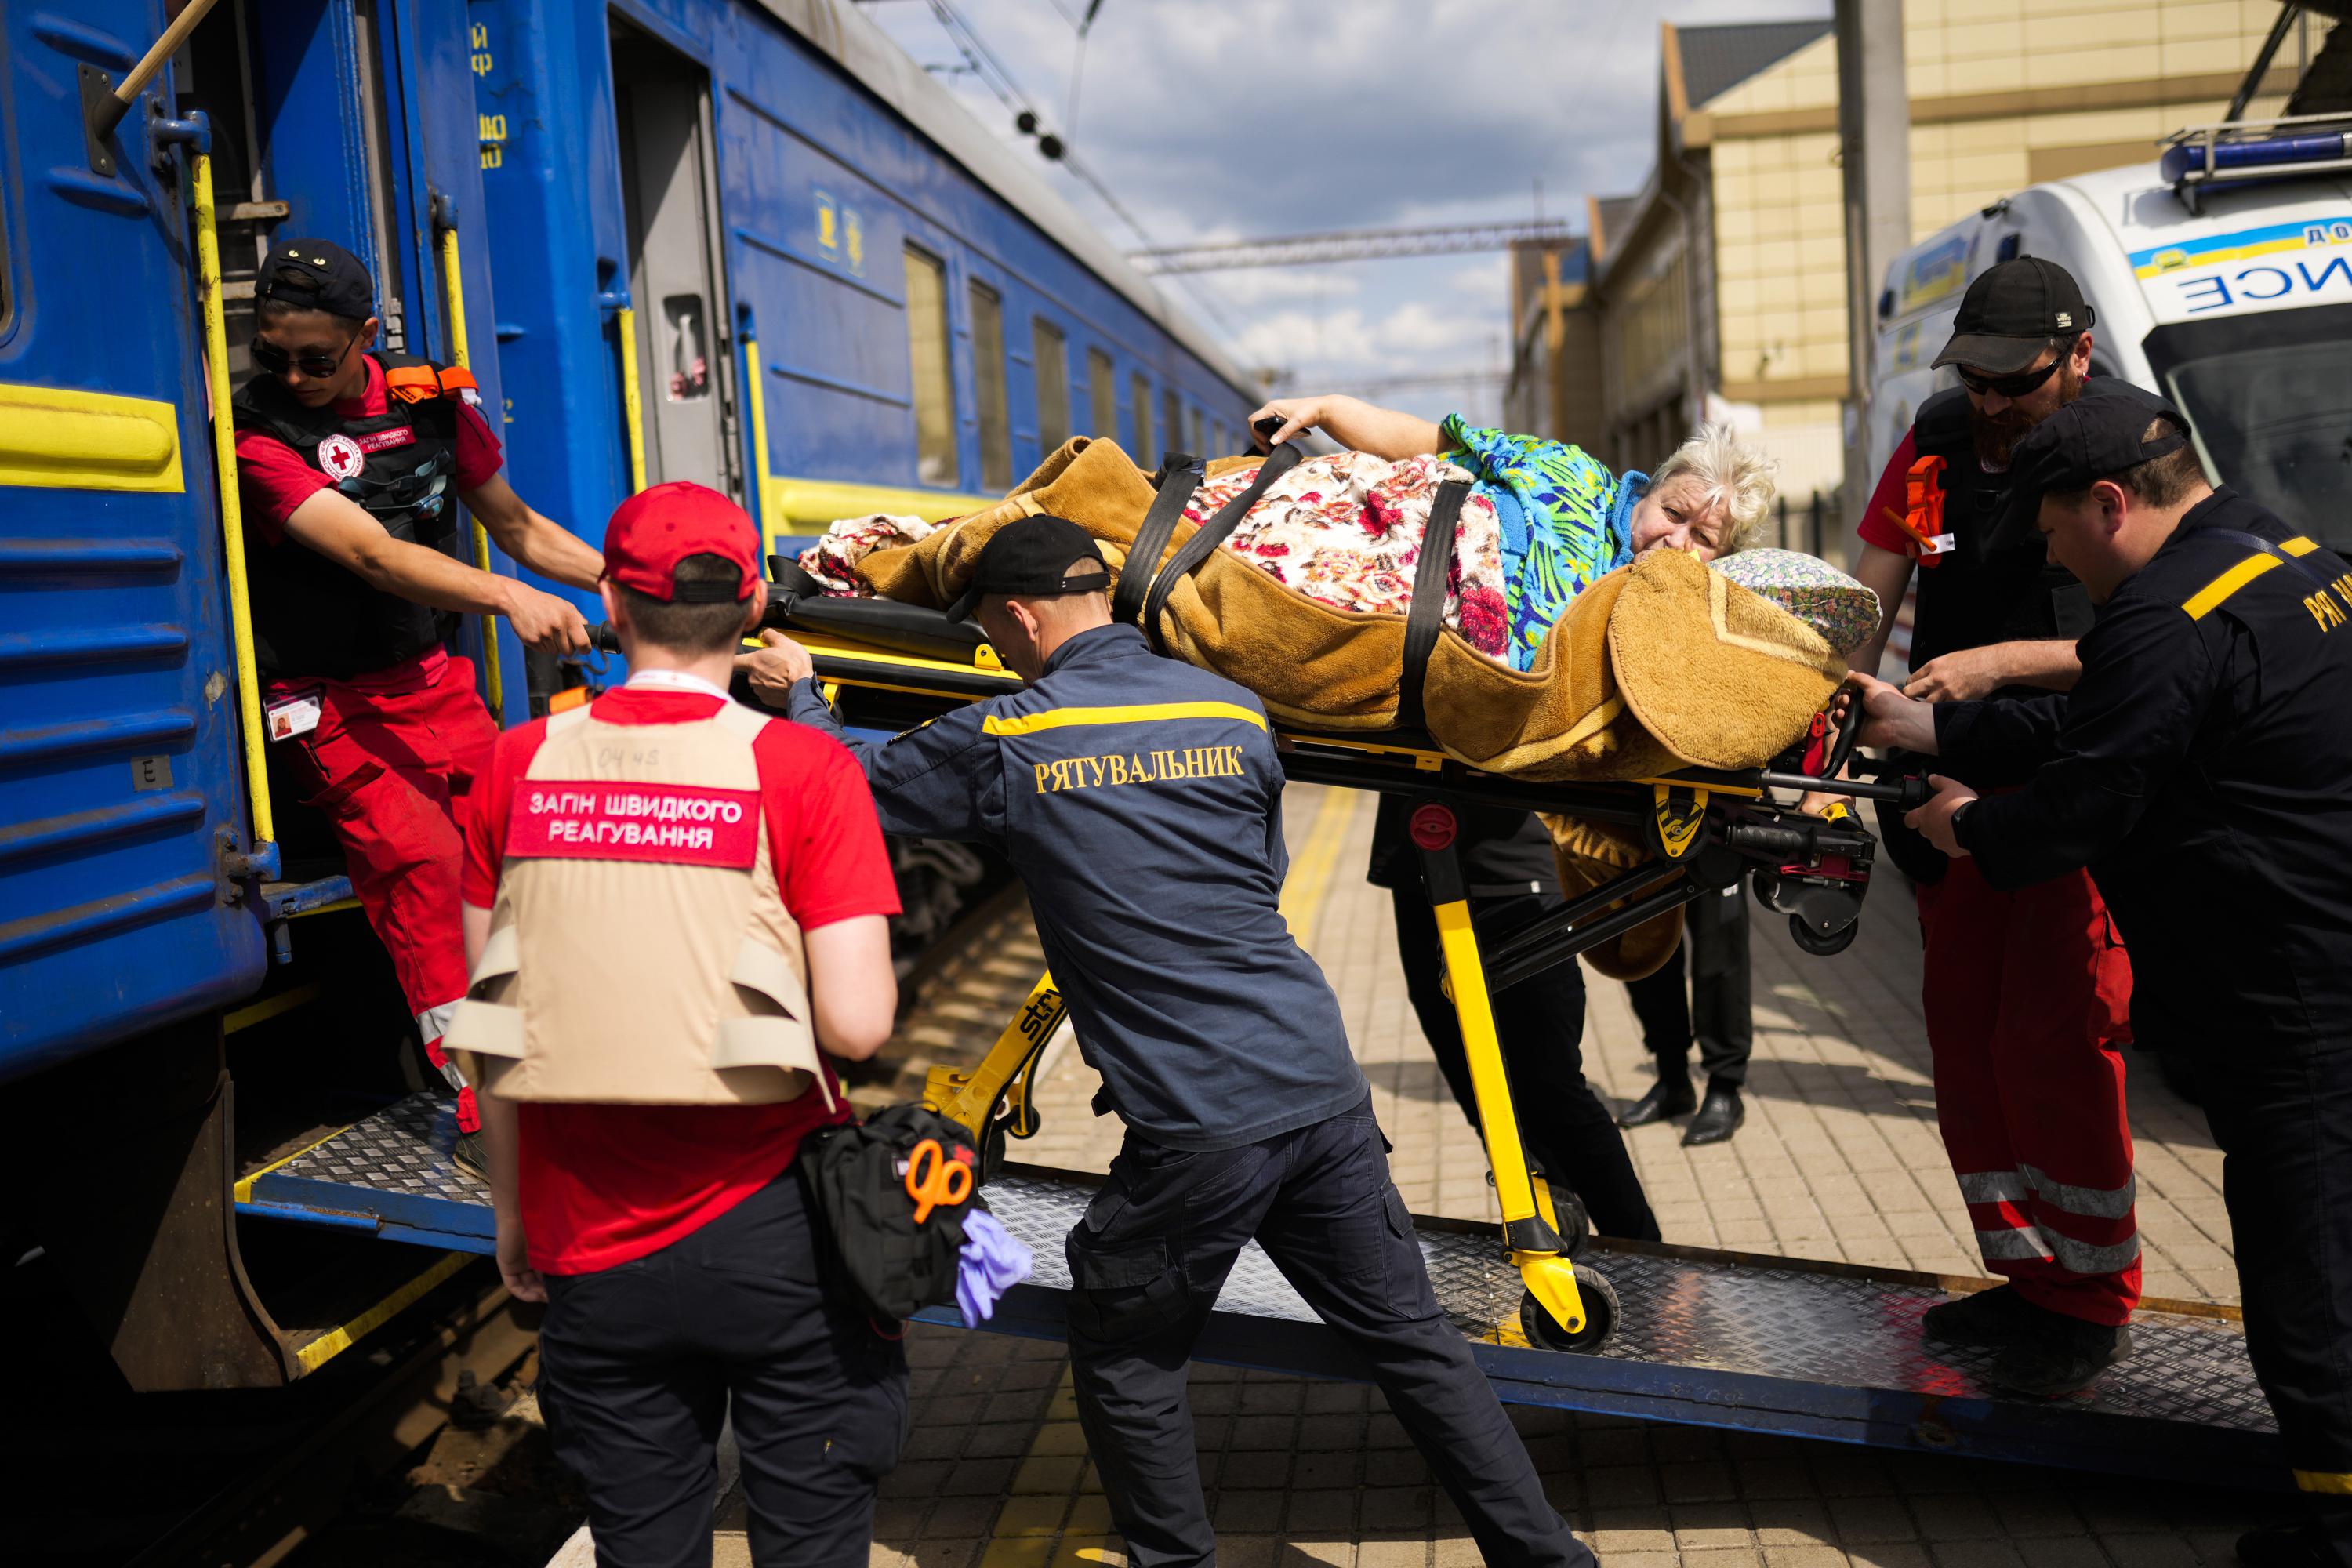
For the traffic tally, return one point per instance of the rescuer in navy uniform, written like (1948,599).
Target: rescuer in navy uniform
(1140,800)
(2203,769)
(349,463)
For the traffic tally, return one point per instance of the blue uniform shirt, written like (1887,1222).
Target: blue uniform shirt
(1140,799)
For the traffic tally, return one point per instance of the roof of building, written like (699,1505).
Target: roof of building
(1716,59)
(1612,214)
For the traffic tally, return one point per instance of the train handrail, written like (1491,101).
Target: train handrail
(240,605)
(755,403)
(459,352)
(632,398)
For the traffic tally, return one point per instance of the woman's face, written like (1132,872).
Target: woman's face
(1681,514)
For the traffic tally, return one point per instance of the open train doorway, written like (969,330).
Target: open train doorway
(669,202)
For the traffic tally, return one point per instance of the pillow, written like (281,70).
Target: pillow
(1843,611)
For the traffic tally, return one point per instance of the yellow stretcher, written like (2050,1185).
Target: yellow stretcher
(889,667)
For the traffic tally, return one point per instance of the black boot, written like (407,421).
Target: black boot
(1718,1118)
(2059,1355)
(1671,1094)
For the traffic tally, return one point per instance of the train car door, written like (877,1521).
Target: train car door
(668,184)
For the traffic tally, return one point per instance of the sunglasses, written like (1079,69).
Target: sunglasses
(274,360)
(2010,386)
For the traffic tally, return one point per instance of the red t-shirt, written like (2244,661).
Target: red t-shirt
(605,1183)
(273,479)
(1893,494)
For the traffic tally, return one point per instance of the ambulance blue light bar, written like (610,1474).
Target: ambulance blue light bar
(2265,154)
(2222,157)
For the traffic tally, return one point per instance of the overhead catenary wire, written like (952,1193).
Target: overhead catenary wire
(998,77)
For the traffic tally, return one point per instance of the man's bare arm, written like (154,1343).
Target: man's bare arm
(1886,574)
(543,545)
(338,528)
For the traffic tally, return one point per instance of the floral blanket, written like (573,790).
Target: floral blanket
(1346,530)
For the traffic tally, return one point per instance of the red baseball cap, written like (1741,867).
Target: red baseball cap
(655,529)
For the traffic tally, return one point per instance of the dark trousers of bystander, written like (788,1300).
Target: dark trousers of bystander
(747,1317)
(2282,1115)
(1147,1263)
(1567,1129)
(1716,1014)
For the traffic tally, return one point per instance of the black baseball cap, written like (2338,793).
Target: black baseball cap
(316,275)
(2096,437)
(1031,556)
(2009,314)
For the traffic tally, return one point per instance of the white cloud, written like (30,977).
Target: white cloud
(1213,120)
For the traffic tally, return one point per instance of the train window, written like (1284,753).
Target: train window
(1192,429)
(1053,384)
(927,341)
(1171,424)
(988,388)
(1102,390)
(1146,451)
(1217,437)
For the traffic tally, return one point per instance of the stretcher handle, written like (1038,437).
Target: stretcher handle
(1849,732)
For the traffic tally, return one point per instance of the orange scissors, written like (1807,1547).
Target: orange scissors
(947,1182)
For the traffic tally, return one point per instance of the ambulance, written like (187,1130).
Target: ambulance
(2221,276)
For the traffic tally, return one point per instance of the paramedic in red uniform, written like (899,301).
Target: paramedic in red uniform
(350,463)
(674,902)
(2027,990)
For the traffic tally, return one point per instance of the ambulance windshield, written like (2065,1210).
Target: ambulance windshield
(2270,395)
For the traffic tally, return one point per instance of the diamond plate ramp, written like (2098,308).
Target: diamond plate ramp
(1765,1344)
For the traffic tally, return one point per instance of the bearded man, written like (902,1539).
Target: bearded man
(2026,992)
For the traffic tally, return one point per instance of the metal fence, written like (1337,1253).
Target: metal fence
(1813,525)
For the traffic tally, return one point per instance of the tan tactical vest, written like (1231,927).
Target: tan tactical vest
(640,952)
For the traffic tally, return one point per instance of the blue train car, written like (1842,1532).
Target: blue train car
(843,294)
(746,242)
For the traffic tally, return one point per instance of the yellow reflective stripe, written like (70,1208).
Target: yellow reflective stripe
(1141,713)
(2299,545)
(2209,598)
(2334,1482)
(336,1341)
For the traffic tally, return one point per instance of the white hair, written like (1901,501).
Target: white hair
(1730,471)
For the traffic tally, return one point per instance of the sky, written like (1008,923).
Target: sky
(1222,120)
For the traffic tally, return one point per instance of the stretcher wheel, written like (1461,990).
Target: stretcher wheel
(1821,946)
(1599,1316)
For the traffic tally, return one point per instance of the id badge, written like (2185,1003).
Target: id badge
(291,716)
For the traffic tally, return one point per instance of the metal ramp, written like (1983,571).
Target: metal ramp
(1715,1339)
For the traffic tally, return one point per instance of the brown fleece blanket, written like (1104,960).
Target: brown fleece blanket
(1658,666)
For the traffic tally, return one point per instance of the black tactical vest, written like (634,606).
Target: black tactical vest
(1983,591)
(1980,592)
(311,616)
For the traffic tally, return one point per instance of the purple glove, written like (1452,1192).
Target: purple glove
(990,1263)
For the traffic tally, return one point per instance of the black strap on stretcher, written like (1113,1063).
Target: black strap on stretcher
(1178,478)
(1211,533)
(1426,618)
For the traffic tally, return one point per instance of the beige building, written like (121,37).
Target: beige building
(1719,290)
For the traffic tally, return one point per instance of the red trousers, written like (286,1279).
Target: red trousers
(393,764)
(2028,996)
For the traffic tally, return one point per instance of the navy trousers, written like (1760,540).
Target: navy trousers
(1147,1261)
(640,1364)
(2283,1116)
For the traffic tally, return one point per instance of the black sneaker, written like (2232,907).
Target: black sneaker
(2283,1546)
(2060,1357)
(1991,1317)
(468,1157)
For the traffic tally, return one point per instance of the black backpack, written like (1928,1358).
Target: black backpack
(858,1175)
